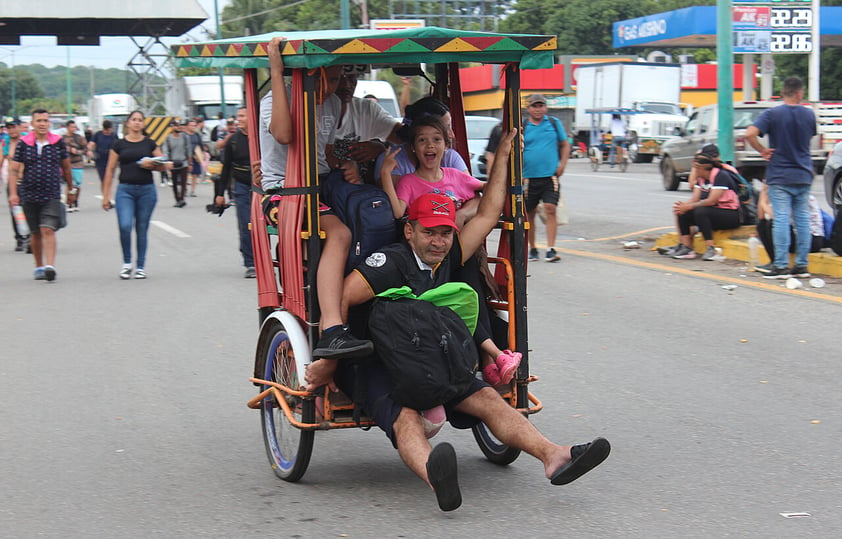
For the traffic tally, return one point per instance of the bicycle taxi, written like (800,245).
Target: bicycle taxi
(286,257)
(602,148)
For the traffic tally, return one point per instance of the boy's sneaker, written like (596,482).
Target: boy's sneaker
(552,256)
(339,343)
(533,255)
(140,273)
(709,255)
(251,273)
(684,252)
(126,273)
(765,268)
(778,273)
(800,272)
(39,274)
(49,273)
(668,251)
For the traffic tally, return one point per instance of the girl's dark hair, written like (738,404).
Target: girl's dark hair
(426,106)
(706,160)
(430,121)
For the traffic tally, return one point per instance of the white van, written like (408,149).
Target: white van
(384,93)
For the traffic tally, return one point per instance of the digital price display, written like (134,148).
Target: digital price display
(791,17)
(783,42)
(784,28)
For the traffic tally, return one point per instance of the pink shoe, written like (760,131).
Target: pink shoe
(507,364)
(491,374)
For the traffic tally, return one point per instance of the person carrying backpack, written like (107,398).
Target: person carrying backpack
(545,153)
(433,251)
(714,205)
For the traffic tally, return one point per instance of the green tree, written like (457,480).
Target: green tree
(582,26)
(26,87)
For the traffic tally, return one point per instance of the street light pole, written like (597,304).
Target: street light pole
(69,88)
(14,95)
(221,73)
(344,14)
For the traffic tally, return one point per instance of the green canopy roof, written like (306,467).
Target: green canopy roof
(411,46)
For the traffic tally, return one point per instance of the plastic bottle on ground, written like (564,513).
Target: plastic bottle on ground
(754,251)
(20,221)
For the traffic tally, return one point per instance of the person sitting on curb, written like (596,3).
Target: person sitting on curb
(431,254)
(713,206)
(712,151)
(765,221)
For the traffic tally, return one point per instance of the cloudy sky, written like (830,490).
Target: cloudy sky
(113,51)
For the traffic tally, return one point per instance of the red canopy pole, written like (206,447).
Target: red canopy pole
(268,298)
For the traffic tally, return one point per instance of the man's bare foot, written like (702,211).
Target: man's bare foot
(319,373)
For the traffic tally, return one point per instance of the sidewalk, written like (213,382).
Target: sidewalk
(734,244)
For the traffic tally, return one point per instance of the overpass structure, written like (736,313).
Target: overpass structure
(83,22)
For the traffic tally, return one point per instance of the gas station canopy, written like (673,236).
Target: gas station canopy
(696,27)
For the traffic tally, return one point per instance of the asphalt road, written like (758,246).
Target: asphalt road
(122,403)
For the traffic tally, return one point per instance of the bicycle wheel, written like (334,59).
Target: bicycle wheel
(287,447)
(624,162)
(595,155)
(493,449)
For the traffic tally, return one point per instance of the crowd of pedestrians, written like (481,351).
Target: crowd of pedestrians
(42,171)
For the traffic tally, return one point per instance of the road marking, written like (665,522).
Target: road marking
(770,287)
(637,233)
(171,229)
(610,176)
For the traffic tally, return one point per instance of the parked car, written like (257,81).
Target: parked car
(703,128)
(833,179)
(478,130)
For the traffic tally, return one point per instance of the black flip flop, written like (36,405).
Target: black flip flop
(441,471)
(586,457)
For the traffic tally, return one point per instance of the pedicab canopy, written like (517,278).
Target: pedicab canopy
(410,46)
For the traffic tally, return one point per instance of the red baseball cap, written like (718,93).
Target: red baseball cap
(433,210)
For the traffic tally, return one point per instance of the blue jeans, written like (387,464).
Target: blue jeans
(242,201)
(790,201)
(134,208)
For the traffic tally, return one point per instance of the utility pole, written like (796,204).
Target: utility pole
(344,14)
(69,87)
(725,77)
(221,72)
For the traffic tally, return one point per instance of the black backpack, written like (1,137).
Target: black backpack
(746,195)
(428,351)
(366,211)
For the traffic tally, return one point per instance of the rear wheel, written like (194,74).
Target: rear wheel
(837,196)
(493,449)
(670,178)
(624,161)
(595,155)
(287,447)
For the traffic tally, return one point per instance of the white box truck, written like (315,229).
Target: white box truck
(114,107)
(383,92)
(202,96)
(651,89)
